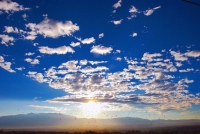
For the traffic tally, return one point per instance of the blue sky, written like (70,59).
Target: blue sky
(119,57)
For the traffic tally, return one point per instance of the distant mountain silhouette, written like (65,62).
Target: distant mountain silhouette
(55,120)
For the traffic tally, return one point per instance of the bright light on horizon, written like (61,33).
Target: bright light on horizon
(91,109)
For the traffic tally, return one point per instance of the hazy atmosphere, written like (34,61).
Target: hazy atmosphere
(101,64)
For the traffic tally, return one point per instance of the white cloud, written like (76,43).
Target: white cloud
(89,69)
(31,73)
(35,44)
(1,59)
(9,29)
(189,81)
(118,4)
(29,54)
(179,64)
(158,85)
(101,50)
(9,6)
(6,65)
(134,34)
(114,11)
(193,54)
(5,39)
(24,16)
(75,44)
(133,9)
(20,68)
(51,28)
(157,7)
(57,109)
(117,22)
(97,62)
(32,61)
(118,51)
(150,57)
(150,11)
(101,35)
(70,65)
(58,50)
(186,70)
(118,58)
(88,40)
(37,76)
(31,36)
(83,62)
(178,56)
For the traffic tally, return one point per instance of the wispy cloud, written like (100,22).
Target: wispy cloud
(57,109)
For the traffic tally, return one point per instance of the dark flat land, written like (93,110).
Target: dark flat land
(114,132)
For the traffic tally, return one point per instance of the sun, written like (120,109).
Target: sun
(91,108)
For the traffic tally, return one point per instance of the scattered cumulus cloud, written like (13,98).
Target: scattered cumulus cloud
(150,57)
(83,62)
(58,50)
(101,50)
(118,58)
(32,61)
(178,56)
(193,54)
(117,22)
(9,29)
(118,4)
(35,44)
(114,11)
(29,54)
(118,51)
(51,28)
(89,69)
(20,68)
(97,62)
(101,35)
(133,9)
(6,65)
(9,6)
(88,40)
(5,39)
(134,34)
(25,16)
(151,70)
(150,11)
(186,70)
(73,44)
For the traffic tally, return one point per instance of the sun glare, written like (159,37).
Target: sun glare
(91,108)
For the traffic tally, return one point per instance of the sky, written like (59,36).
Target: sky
(100,58)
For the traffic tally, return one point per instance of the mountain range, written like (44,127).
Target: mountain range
(56,121)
